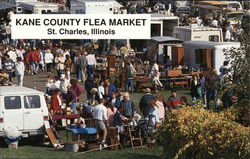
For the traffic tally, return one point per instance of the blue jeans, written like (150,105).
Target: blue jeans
(32,43)
(59,73)
(78,73)
(73,106)
(90,70)
(35,66)
(211,95)
(129,83)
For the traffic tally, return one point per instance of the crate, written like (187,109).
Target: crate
(113,132)
(114,141)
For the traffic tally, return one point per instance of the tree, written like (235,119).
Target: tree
(239,77)
(239,73)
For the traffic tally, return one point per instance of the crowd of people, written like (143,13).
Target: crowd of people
(105,102)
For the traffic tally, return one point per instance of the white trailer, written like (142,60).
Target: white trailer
(40,7)
(161,25)
(199,33)
(201,54)
(92,7)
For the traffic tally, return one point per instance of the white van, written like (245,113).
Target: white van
(22,108)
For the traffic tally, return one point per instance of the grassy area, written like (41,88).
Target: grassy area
(45,152)
(28,150)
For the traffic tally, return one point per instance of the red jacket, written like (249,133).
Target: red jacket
(55,103)
(33,56)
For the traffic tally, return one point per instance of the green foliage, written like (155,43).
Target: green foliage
(197,133)
(240,72)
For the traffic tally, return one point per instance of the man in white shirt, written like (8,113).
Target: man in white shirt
(227,35)
(91,64)
(215,23)
(100,117)
(12,54)
(155,75)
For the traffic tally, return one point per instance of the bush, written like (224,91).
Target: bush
(197,133)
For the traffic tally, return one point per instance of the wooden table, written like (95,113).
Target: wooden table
(140,81)
(59,117)
(178,81)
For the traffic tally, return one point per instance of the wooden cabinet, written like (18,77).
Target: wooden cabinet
(177,55)
(111,61)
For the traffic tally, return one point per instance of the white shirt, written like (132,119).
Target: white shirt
(100,112)
(155,70)
(66,53)
(41,56)
(155,119)
(63,85)
(19,68)
(12,55)
(48,58)
(19,53)
(101,92)
(56,85)
(227,35)
(215,23)
(91,59)
(59,63)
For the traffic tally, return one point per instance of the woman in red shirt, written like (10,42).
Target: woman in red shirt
(56,102)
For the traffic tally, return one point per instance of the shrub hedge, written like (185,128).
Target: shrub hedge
(196,133)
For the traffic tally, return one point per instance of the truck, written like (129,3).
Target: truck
(40,7)
(24,109)
(195,32)
(203,55)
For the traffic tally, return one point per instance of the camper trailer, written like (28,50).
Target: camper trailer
(199,33)
(202,55)
(23,108)
(93,7)
(161,25)
(40,7)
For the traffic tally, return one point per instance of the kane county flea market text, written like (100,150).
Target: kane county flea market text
(77,22)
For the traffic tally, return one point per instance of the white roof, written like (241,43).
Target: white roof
(156,16)
(15,90)
(40,4)
(197,28)
(165,39)
(208,44)
(97,1)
